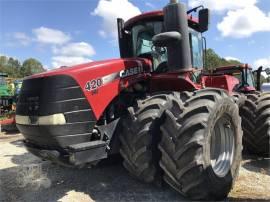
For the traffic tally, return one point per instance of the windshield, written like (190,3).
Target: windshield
(142,45)
(142,35)
(245,75)
(2,81)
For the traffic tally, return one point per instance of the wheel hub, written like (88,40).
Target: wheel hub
(222,146)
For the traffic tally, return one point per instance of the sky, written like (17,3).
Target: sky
(66,32)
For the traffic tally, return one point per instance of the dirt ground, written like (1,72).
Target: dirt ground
(23,177)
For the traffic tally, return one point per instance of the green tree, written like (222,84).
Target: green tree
(3,61)
(10,66)
(31,66)
(213,60)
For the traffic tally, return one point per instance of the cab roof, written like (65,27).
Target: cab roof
(157,16)
(232,68)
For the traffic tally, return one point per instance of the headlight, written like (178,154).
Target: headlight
(55,119)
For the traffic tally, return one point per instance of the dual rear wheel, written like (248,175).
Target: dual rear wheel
(255,113)
(191,140)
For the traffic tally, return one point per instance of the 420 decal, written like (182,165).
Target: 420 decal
(93,84)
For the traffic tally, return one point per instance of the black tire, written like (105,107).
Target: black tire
(255,115)
(239,99)
(185,145)
(140,136)
(248,114)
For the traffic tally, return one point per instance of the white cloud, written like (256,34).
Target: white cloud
(244,22)
(251,42)
(222,5)
(232,58)
(242,19)
(22,38)
(75,49)
(150,5)
(265,62)
(110,10)
(72,54)
(51,36)
(59,61)
(102,33)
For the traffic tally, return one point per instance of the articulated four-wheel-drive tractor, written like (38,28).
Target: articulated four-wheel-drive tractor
(155,106)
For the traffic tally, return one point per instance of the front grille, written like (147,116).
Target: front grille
(5,101)
(52,95)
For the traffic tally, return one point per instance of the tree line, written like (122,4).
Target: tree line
(15,69)
(214,60)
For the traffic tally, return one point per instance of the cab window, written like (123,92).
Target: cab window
(142,44)
(142,35)
(250,79)
(196,49)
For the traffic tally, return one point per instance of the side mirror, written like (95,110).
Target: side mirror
(166,39)
(204,19)
(267,71)
(123,40)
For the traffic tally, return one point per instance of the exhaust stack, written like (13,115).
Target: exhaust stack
(175,19)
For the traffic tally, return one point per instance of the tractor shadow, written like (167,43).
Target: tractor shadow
(9,136)
(257,164)
(37,180)
(18,143)
(10,132)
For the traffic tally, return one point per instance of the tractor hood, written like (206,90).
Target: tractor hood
(58,110)
(99,68)
(99,81)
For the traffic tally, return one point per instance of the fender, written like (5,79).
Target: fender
(172,82)
(102,81)
(225,82)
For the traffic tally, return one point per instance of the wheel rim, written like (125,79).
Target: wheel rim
(222,146)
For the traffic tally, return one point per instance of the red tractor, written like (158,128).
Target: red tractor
(254,105)
(155,106)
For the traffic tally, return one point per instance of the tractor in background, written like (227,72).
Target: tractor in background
(154,106)
(8,122)
(5,95)
(253,104)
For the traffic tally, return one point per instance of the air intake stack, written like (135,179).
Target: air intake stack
(175,20)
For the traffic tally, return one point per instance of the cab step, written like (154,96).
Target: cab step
(87,152)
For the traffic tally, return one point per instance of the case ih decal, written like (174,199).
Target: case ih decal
(131,71)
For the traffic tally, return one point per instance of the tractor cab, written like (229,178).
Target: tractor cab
(243,73)
(136,38)
(243,78)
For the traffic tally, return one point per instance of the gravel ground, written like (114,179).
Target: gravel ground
(23,177)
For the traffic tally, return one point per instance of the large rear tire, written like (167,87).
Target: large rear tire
(248,114)
(201,145)
(140,136)
(255,115)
